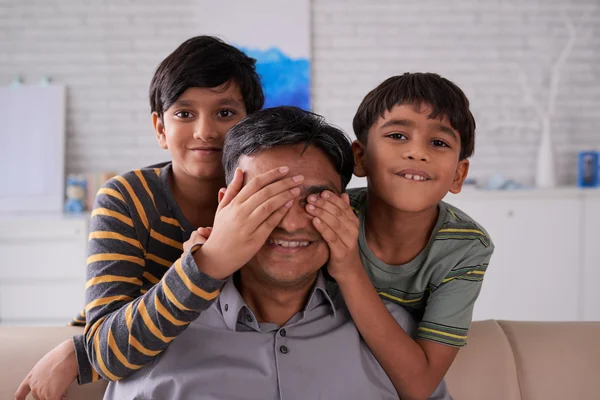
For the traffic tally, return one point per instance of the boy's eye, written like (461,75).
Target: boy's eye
(397,136)
(183,114)
(226,113)
(439,143)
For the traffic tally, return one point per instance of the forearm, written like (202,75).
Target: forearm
(403,359)
(120,342)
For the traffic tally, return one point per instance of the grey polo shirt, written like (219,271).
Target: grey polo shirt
(226,354)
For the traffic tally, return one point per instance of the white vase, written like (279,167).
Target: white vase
(545,175)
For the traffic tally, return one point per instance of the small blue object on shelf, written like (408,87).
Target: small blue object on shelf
(76,194)
(589,169)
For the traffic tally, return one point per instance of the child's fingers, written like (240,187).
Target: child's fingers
(345,231)
(272,190)
(333,240)
(195,239)
(260,182)
(334,204)
(233,189)
(265,228)
(204,232)
(23,390)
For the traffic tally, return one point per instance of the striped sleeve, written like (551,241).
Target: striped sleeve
(449,309)
(125,328)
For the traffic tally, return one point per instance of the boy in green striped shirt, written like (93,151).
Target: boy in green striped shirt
(415,134)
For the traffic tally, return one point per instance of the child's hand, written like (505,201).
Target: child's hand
(245,218)
(337,223)
(199,236)
(50,378)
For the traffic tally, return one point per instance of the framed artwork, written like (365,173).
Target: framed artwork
(276,34)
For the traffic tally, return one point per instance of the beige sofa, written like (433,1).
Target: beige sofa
(503,361)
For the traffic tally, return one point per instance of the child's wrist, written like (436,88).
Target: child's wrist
(207,264)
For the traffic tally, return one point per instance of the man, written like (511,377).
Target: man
(279,328)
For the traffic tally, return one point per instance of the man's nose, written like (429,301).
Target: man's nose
(205,128)
(296,218)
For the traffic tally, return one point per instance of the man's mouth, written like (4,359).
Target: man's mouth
(289,244)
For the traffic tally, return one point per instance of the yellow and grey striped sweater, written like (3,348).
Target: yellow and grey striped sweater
(140,295)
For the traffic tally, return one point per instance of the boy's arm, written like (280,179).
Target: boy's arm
(415,368)
(126,329)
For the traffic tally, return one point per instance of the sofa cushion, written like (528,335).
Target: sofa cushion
(558,360)
(22,347)
(485,368)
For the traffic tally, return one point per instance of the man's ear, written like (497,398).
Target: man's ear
(462,170)
(159,130)
(358,149)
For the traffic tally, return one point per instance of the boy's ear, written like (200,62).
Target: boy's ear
(462,170)
(358,149)
(159,130)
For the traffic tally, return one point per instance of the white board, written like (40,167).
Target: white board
(32,148)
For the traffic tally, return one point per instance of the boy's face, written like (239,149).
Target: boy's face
(193,129)
(411,161)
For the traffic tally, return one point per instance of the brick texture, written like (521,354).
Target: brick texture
(501,52)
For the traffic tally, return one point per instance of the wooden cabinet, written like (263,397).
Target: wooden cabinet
(42,269)
(546,253)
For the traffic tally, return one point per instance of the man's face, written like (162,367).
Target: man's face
(193,129)
(295,250)
(411,160)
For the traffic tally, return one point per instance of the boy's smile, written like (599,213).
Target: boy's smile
(411,161)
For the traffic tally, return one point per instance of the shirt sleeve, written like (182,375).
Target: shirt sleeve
(449,309)
(126,329)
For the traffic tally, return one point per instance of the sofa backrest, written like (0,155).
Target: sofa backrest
(502,361)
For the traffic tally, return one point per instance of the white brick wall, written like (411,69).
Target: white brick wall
(106,52)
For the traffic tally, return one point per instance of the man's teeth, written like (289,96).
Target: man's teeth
(414,177)
(284,243)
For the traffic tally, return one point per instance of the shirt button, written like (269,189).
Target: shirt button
(283,332)
(248,318)
(226,307)
(283,350)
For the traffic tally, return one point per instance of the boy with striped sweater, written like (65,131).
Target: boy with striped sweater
(415,134)
(141,219)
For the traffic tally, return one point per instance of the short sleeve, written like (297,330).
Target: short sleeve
(449,309)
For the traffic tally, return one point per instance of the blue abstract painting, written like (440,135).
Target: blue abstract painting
(285,80)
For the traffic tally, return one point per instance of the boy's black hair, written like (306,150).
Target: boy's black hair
(287,126)
(205,62)
(417,89)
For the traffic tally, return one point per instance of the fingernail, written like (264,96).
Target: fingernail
(312,197)
(289,203)
(295,191)
(283,170)
(317,220)
(298,178)
(311,207)
(325,195)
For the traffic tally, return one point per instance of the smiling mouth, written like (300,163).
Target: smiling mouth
(415,177)
(288,244)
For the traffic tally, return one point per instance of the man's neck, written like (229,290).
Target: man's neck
(197,198)
(271,302)
(397,237)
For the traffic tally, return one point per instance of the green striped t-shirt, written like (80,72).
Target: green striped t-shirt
(440,285)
